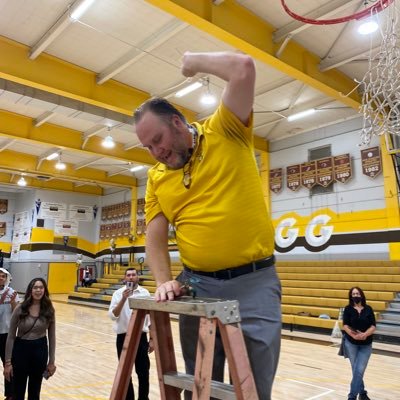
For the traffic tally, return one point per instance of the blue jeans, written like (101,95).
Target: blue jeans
(359,356)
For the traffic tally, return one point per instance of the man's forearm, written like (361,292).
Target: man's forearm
(157,249)
(225,65)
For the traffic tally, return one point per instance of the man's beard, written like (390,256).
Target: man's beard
(182,158)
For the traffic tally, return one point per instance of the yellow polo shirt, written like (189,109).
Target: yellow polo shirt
(221,221)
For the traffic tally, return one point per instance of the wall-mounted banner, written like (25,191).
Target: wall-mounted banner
(371,161)
(342,165)
(325,171)
(3,229)
(3,206)
(275,180)
(293,177)
(80,213)
(66,228)
(308,174)
(53,210)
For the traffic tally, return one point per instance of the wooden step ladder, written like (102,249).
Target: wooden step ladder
(213,314)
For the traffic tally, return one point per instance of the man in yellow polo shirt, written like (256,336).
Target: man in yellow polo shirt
(206,184)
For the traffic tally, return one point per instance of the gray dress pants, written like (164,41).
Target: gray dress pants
(259,296)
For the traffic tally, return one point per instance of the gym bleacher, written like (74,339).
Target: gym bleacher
(312,292)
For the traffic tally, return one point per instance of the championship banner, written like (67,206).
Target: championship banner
(371,161)
(80,213)
(3,206)
(53,210)
(65,228)
(325,171)
(3,229)
(342,165)
(293,177)
(308,174)
(275,180)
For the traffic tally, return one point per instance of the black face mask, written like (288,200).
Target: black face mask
(356,299)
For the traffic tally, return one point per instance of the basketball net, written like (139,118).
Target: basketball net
(380,104)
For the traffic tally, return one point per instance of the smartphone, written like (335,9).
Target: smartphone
(46,374)
(129,285)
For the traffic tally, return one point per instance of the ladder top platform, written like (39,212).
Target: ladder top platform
(227,311)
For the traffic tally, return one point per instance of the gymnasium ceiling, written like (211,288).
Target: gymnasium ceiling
(65,84)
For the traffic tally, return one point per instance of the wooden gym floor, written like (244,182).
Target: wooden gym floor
(86,362)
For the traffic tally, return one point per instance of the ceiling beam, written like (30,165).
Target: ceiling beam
(62,23)
(238,27)
(10,179)
(55,76)
(345,58)
(14,162)
(150,43)
(14,126)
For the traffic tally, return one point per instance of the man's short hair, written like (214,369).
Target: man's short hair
(130,269)
(158,106)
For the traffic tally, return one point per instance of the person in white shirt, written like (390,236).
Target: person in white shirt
(8,301)
(120,312)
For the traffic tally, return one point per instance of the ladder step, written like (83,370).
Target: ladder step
(219,390)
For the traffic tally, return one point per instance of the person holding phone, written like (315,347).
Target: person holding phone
(120,313)
(31,341)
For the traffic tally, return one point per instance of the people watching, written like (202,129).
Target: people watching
(359,326)
(31,342)
(9,299)
(120,313)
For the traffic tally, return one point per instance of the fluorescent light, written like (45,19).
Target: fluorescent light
(136,168)
(108,142)
(301,114)
(60,165)
(21,181)
(367,27)
(188,89)
(81,9)
(52,156)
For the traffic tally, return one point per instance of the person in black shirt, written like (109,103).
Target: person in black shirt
(359,326)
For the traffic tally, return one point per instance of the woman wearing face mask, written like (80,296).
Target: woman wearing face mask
(358,325)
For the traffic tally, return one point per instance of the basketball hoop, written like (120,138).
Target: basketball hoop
(374,9)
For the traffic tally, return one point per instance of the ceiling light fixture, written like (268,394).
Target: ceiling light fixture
(81,9)
(207,99)
(52,156)
(189,89)
(108,142)
(21,181)
(368,27)
(136,168)
(59,164)
(301,114)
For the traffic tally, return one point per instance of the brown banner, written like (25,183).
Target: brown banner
(342,165)
(293,177)
(308,174)
(3,229)
(371,161)
(325,171)
(3,206)
(275,180)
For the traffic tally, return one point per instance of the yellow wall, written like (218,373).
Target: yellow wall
(62,277)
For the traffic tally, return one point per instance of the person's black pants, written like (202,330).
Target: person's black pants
(142,367)
(7,384)
(29,361)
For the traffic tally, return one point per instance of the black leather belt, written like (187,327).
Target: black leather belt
(230,273)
